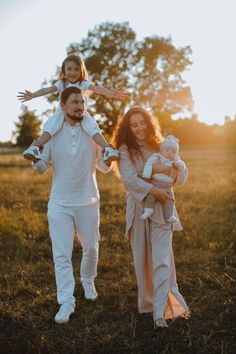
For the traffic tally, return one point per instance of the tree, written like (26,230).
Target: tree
(27,129)
(230,130)
(158,79)
(151,70)
(108,52)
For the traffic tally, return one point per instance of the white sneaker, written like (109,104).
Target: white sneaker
(160,322)
(147,212)
(110,154)
(32,152)
(172,220)
(64,313)
(90,292)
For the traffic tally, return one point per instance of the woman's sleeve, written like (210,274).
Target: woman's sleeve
(182,176)
(134,184)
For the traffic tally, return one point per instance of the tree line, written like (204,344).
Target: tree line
(151,70)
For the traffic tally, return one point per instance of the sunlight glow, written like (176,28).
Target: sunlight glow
(34,38)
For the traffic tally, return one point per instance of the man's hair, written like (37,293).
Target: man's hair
(67,92)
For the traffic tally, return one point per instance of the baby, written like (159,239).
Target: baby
(169,156)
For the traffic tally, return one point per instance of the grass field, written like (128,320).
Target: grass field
(204,255)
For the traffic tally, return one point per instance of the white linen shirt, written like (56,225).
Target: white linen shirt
(74,157)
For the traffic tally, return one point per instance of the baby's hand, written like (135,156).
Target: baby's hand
(120,95)
(179,164)
(25,96)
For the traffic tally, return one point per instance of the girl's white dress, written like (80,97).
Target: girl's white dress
(55,123)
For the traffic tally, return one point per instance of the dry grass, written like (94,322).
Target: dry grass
(204,253)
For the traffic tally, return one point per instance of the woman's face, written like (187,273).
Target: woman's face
(138,127)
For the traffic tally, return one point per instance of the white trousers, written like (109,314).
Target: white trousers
(63,221)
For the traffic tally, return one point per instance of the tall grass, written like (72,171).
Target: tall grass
(204,255)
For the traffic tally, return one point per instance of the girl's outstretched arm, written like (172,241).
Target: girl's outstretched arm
(28,95)
(118,94)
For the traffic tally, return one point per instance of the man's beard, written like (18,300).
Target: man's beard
(75,118)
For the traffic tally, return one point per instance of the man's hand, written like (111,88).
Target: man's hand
(160,194)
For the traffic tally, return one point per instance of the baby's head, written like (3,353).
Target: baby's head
(170,147)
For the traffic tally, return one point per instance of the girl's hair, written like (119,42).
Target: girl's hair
(123,134)
(78,61)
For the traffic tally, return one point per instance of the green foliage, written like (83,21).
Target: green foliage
(151,70)
(27,129)
(109,56)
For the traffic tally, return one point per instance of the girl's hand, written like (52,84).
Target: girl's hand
(25,96)
(160,194)
(120,94)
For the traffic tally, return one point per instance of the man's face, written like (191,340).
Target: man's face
(74,107)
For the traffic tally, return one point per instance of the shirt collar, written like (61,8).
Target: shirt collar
(72,126)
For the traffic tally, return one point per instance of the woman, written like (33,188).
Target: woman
(137,136)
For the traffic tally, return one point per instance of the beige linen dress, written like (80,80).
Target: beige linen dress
(151,242)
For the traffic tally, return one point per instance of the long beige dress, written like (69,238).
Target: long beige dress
(151,242)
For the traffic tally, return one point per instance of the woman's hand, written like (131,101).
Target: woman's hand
(160,194)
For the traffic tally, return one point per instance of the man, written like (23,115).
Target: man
(74,201)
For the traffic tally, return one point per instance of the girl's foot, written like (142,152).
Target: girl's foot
(32,152)
(160,322)
(110,154)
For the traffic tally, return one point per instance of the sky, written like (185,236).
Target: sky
(34,36)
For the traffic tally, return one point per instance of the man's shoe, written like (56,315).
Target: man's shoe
(90,292)
(110,154)
(32,152)
(64,313)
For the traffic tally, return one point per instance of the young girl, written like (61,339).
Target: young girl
(73,73)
